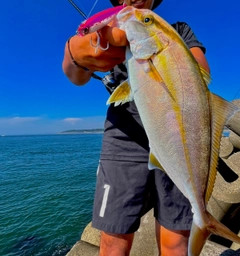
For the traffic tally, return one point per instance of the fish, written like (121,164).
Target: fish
(183,120)
(98,20)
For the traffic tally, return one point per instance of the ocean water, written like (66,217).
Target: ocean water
(47,185)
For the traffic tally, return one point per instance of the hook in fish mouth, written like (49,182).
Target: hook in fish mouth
(98,44)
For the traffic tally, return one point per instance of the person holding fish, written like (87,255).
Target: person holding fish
(126,188)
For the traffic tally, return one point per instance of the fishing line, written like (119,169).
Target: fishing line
(85,17)
(78,9)
(92,8)
(236,94)
(81,11)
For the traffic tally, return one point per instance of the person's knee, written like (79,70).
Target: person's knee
(115,244)
(174,243)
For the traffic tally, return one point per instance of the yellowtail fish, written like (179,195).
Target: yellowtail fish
(182,118)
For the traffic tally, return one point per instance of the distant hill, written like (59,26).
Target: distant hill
(82,131)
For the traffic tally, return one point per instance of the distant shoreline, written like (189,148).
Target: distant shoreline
(226,131)
(83,131)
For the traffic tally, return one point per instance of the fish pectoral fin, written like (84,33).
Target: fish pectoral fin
(121,94)
(155,74)
(153,163)
(221,111)
(206,76)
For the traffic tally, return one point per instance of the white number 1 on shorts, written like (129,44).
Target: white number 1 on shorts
(104,201)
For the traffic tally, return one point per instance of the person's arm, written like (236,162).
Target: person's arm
(197,49)
(75,74)
(85,55)
(200,58)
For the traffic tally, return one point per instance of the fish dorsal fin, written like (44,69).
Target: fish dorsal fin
(206,76)
(221,111)
(121,94)
(153,163)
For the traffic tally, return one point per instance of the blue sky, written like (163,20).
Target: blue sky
(37,98)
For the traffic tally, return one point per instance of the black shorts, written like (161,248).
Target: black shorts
(125,191)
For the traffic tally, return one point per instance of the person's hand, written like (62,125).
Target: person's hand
(87,55)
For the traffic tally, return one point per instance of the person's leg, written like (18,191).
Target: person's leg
(173,217)
(172,242)
(115,245)
(122,191)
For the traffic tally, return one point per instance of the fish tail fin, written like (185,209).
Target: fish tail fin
(199,236)
(197,239)
(217,228)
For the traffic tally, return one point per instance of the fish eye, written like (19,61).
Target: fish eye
(148,20)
